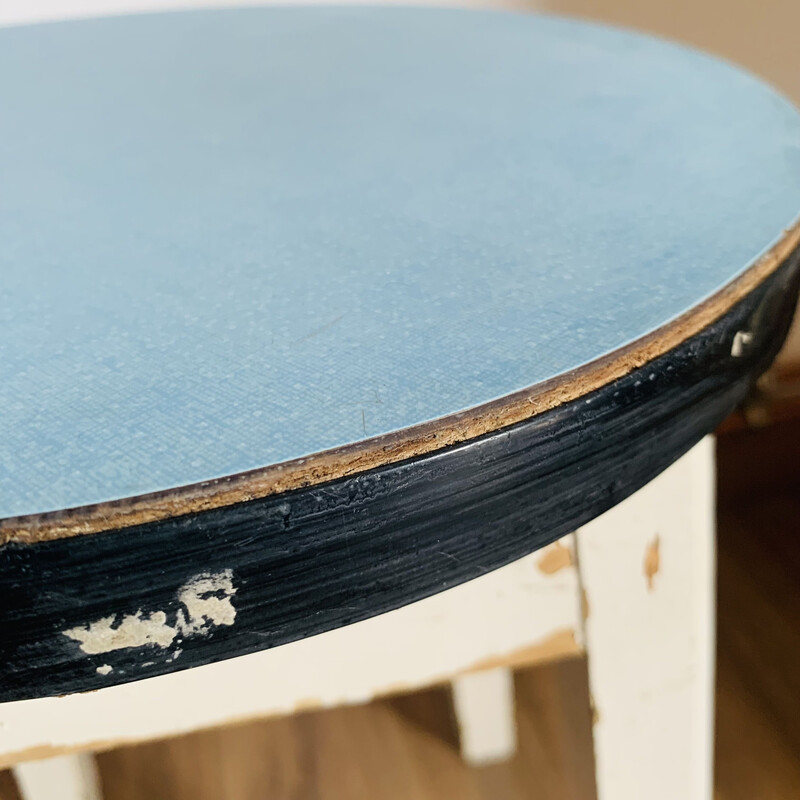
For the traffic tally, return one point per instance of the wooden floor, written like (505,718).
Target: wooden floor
(758,640)
(406,747)
(402,748)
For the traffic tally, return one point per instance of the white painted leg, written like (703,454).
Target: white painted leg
(648,571)
(72,777)
(484,707)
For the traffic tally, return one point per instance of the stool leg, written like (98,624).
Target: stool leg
(647,568)
(71,777)
(484,707)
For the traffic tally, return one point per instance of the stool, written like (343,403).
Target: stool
(320,322)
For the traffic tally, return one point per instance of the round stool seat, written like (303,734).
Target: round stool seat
(318,311)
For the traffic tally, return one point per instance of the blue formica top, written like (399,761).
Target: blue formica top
(233,238)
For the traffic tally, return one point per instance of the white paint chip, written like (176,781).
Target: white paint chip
(205,603)
(104,670)
(207,600)
(740,341)
(134,630)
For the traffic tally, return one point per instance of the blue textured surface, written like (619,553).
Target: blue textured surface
(234,238)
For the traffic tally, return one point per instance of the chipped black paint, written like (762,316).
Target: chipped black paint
(314,559)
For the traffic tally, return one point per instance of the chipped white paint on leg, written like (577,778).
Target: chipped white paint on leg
(484,707)
(204,603)
(647,567)
(72,777)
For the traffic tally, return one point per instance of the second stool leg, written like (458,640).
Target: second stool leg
(484,707)
(648,571)
(70,777)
